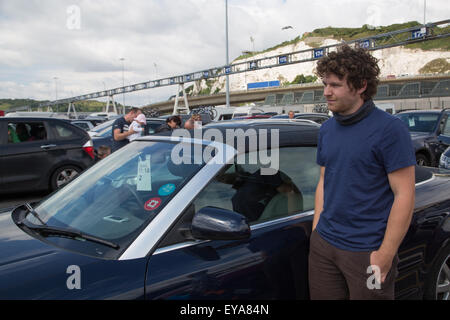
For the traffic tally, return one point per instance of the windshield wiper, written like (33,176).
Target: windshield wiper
(72,233)
(34,213)
(46,230)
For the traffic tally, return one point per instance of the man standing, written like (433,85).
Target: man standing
(120,128)
(365,195)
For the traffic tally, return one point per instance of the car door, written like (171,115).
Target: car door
(444,136)
(271,264)
(25,158)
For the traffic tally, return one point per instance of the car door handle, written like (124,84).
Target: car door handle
(48,146)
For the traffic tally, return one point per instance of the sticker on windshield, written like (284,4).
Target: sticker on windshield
(411,122)
(152,204)
(144,175)
(166,189)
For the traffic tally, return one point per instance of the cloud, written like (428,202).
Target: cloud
(40,40)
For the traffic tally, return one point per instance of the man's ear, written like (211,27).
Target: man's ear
(363,88)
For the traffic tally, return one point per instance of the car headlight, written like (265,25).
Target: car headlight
(444,162)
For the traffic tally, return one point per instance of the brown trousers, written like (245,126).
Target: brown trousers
(336,274)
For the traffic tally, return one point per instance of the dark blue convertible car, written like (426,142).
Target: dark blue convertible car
(195,218)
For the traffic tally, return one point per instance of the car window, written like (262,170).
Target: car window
(82,125)
(446,126)
(152,127)
(420,122)
(120,195)
(19,132)
(106,132)
(65,132)
(260,198)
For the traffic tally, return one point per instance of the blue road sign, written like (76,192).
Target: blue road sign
(264,84)
(365,44)
(419,33)
(227,70)
(318,53)
(282,59)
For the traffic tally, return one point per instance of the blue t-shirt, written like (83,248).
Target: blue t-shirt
(357,194)
(122,124)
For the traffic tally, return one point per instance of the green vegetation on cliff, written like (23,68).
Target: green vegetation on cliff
(349,34)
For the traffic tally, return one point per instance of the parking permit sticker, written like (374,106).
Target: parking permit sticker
(152,204)
(144,175)
(166,189)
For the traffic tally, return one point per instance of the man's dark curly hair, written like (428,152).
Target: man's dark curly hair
(357,64)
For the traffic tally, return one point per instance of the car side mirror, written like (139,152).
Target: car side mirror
(211,223)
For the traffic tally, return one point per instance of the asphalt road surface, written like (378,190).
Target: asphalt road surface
(10,201)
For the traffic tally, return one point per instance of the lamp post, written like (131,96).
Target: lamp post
(156,70)
(424,12)
(123,83)
(56,89)
(227,58)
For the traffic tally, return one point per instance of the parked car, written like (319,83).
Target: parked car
(141,225)
(316,117)
(444,162)
(430,133)
(104,137)
(100,127)
(41,153)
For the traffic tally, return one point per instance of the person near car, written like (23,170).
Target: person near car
(197,121)
(291,114)
(189,124)
(121,130)
(172,123)
(137,126)
(365,195)
(102,152)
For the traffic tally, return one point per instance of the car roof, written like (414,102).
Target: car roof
(290,132)
(436,111)
(34,119)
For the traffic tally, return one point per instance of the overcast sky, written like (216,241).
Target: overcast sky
(80,42)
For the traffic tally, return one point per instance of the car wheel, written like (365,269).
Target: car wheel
(63,175)
(438,287)
(422,160)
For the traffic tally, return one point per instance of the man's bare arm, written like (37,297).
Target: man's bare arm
(122,136)
(318,201)
(402,183)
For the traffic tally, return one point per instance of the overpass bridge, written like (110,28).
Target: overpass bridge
(404,92)
(426,32)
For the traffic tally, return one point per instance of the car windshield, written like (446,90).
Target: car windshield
(106,132)
(102,126)
(420,122)
(115,199)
